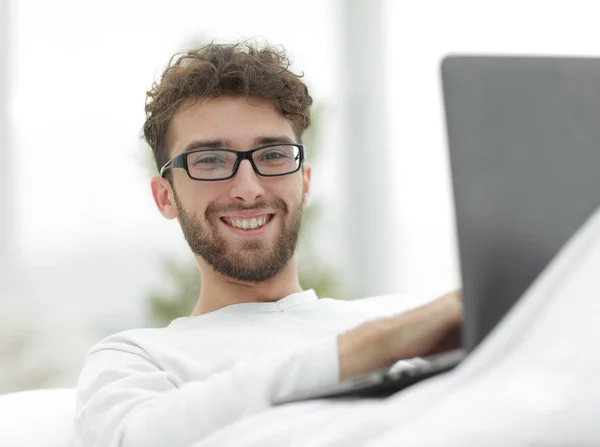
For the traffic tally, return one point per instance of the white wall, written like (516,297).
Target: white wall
(6,186)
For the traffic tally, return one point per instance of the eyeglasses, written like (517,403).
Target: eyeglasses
(270,160)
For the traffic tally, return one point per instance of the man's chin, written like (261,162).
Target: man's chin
(250,246)
(249,259)
(250,265)
(248,275)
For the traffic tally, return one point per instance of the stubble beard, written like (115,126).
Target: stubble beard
(248,261)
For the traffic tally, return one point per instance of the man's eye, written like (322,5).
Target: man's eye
(274,155)
(209,159)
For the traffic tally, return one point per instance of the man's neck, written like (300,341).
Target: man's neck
(218,291)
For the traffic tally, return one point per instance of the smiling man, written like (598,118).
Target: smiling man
(225,123)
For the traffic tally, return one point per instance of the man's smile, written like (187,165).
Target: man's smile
(247,225)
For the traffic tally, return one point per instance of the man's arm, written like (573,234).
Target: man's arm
(126,400)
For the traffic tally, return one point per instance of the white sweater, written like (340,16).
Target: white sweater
(176,385)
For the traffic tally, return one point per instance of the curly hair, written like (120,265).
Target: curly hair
(239,69)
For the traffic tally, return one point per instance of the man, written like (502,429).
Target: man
(225,125)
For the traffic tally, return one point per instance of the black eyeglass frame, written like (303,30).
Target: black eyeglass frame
(180,161)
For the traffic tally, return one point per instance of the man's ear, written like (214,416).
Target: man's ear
(307,171)
(164,198)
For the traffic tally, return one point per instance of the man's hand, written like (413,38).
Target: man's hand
(425,330)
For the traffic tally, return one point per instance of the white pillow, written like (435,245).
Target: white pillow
(37,418)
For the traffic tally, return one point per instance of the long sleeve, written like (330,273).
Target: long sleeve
(125,399)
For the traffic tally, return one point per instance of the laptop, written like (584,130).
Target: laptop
(524,141)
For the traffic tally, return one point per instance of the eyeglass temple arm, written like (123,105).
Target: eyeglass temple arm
(168,165)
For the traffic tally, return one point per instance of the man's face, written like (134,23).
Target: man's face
(211,213)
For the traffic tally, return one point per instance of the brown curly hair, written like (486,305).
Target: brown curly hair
(240,69)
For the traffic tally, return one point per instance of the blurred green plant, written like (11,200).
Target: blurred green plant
(314,272)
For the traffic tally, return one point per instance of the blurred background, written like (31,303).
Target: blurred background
(83,251)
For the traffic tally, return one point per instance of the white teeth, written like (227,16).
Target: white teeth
(249,224)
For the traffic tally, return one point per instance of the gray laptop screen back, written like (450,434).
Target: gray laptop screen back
(524,137)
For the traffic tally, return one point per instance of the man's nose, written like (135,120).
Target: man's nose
(246,184)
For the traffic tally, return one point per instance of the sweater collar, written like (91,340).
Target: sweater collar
(280,305)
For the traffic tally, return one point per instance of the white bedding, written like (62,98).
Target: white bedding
(531,383)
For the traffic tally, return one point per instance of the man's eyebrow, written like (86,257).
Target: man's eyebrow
(273,139)
(209,144)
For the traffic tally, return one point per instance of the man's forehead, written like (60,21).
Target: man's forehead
(227,122)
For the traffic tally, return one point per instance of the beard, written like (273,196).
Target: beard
(250,260)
